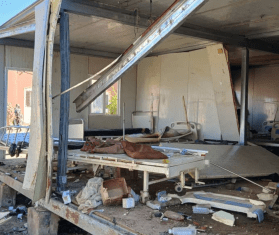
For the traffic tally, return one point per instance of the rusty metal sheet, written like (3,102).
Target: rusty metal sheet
(96,225)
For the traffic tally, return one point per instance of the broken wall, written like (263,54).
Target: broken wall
(164,80)
(263,94)
(81,67)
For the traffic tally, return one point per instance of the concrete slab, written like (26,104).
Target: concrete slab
(247,161)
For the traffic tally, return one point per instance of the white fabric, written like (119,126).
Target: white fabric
(89,197)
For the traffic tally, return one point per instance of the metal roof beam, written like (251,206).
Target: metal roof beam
(14,30)
(74,50)
(170,20)
(87,8)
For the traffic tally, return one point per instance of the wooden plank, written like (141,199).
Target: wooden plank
(64,102)
(2,92)
(224,93)
(35,178)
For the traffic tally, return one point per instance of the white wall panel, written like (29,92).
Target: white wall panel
(173,76)
(173,86)
(223,91)
(148,86)
(78,73)
(202,106)
(19,57)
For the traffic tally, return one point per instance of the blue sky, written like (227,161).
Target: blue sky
(9,8)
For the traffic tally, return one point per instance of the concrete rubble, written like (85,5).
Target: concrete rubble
(224,217)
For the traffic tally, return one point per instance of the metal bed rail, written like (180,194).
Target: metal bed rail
(7,131)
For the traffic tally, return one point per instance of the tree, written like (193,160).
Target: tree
(112,107)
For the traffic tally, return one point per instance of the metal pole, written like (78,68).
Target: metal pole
(64,102)
(244,97)
(123,121)
(240,176)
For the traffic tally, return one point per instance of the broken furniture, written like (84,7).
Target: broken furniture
(177,165)
(14,139)
(253,208)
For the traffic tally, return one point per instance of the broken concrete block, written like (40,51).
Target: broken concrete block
(42,222)
(265,196)
(7,195)
(224,217)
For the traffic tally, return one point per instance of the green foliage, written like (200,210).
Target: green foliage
(112,107)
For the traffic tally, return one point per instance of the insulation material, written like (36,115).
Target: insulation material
(90,196)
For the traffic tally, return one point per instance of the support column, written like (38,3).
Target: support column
(7,195)
(42,222)
(244,97)
(2,93)
(64,102)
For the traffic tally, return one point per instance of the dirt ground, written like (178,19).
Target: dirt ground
(141,220)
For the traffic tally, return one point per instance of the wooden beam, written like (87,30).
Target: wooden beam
(64,101)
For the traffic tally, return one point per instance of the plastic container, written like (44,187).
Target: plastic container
(200,209)
(190,230)
(153,205)
(173,215)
